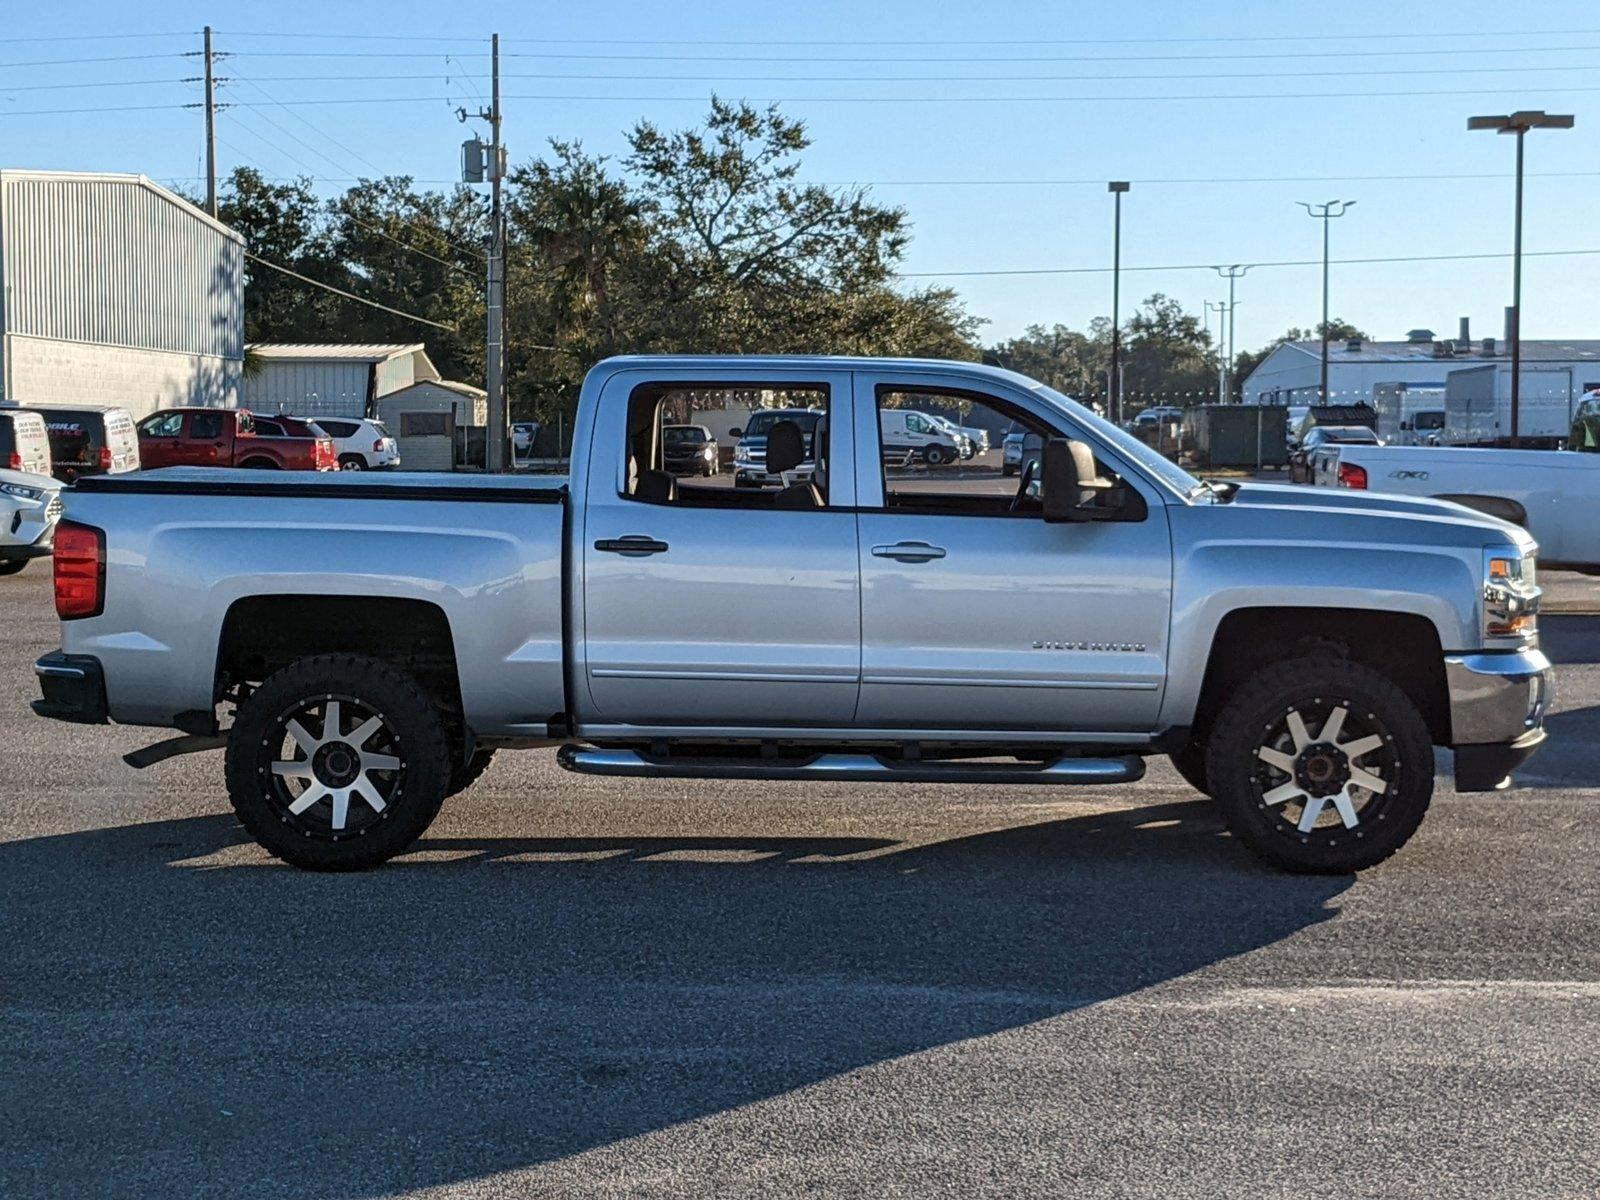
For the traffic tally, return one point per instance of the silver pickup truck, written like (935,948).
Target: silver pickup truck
(361,646)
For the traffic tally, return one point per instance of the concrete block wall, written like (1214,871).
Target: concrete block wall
(44,371)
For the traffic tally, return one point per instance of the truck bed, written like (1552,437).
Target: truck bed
(486,551)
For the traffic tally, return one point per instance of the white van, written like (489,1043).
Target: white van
(907,432)
(24,441)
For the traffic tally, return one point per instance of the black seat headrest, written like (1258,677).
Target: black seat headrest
(786,447)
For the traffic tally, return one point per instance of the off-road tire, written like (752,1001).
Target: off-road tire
(464,774)
(1234,770)
(423,741)
(1190,762)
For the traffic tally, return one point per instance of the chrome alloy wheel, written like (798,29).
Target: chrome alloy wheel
(331,767)
(1350,764)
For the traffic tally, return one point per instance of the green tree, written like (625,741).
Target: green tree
(283,223)
(1167,355)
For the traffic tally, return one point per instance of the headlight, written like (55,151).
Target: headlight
(740,453)
(1510,594)
(22,491)
(710,453)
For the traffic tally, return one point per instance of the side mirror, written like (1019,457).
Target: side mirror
(1072,489)
(736,433)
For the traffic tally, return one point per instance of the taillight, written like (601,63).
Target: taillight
(105,458)
(1352,476)
(80,570)
(378,444)
(15,461)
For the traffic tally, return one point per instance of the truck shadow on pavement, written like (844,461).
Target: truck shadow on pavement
(176,1028)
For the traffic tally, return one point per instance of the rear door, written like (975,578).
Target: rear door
(706,605)
(30,444)
(123,441)
(978,615)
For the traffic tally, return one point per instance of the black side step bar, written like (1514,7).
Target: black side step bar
(849,768)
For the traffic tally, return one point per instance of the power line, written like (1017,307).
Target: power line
(95,37)
(256,258)
(1252,97)
(70,62)
(104,83)
(1299,262)
(1381,35)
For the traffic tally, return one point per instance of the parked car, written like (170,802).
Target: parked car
(232,437)
(1553,494)
(90,441)
(1585,435)
(360,444)
(1161,414)
(690,450)
(523,436)
(750,455)
(933,440)
(1297,654)
(965,447)
(30,503)
(1011,451)
(1302,459)
(24,441)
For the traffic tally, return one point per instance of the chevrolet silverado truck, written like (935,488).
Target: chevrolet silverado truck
(360,646)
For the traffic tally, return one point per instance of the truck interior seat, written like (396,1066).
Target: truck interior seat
(786,450)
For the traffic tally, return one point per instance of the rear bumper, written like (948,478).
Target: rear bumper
(1497,706)
(39,549)
(73,688)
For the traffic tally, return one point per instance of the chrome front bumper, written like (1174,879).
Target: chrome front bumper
(1497,707)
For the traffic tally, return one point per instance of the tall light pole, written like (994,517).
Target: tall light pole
(1114,382)
(1519,123)
(1325,213)
(1230,274)
(1222,308)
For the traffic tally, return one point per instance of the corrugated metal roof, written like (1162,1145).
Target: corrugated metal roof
(370,352)
(1409,352)
(464,389)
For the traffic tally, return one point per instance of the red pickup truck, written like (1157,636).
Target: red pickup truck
(228,437)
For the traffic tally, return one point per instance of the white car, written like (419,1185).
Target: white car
(361,445)
(932,439)
(30,505)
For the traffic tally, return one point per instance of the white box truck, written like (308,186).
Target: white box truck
(1409,414)
(1478,406)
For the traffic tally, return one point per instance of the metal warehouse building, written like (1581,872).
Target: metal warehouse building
(116,291)
(1291,374)
(332,380)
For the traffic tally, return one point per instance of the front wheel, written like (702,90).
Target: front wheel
(936,456)
(1321,765)
(337,762)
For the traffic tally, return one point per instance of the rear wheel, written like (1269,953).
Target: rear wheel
(352,462)
(337,763)
(259,464)
(1320,764)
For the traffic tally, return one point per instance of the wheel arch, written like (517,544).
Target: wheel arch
(1405,647)
(1502,507)
(263,633)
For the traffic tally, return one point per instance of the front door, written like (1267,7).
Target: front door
(707,604)
(977,614)
(160,437)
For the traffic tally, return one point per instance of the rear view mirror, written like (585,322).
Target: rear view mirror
(736,433)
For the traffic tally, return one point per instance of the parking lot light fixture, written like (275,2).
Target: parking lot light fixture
(1518,123)
(1326,213)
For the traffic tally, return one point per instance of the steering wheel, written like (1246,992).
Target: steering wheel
(1029,473)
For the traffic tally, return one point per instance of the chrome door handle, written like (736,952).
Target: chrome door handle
(911,552)
(633,545)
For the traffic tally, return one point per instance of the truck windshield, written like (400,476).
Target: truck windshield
(683,435)
(1166,471)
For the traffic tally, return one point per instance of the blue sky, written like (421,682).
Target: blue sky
(1006,121)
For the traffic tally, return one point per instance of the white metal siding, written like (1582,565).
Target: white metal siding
(117,262)
(314,389)
(396,373)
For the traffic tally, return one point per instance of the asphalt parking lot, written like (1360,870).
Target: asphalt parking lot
(578,987)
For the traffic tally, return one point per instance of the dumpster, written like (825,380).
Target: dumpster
(1240,435)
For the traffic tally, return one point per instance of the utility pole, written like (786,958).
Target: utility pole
(211,129)
(495,350)
(1518,123)
(1325,213)
(1230,274)
(1114,378)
